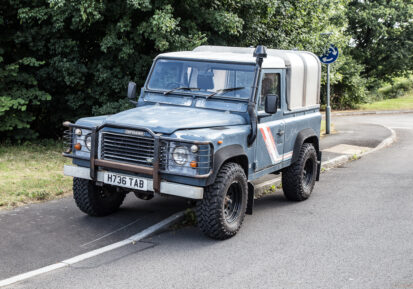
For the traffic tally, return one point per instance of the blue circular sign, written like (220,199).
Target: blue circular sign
(330,55)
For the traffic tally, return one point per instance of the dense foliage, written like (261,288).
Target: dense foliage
(62,59)
(382,33)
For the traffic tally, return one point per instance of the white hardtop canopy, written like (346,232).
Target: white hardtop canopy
(303,69)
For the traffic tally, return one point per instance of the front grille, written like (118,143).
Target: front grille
(138,150)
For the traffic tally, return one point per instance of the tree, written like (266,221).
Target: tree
(21,97)
(382,33)
(63,59)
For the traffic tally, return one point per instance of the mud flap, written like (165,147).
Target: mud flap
(250,200)
(319,154)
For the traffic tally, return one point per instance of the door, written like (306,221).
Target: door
(270,138)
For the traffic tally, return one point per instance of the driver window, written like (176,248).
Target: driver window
(270,85)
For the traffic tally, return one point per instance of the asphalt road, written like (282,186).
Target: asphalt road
(42,234)
(356,231)
(354,133)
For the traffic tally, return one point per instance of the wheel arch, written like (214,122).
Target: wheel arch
(232,153)
(307,135)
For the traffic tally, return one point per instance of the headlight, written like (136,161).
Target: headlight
(180,155)
(88,142)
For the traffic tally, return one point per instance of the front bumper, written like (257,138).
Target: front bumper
(168,188)
(96,164)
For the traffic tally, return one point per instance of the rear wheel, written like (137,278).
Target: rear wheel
(94,200)
(298,179)
(222,210)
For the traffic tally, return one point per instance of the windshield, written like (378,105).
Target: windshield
(198,77)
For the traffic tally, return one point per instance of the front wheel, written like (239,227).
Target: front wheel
(222,210)
(94,200)
(299,178)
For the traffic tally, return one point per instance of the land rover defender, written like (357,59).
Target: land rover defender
(207,123)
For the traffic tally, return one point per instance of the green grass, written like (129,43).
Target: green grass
(32,173)
(323,127)
(402,103)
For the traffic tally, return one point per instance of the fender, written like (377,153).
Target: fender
(224,154)
(302,136)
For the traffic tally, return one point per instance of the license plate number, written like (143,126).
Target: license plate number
(126,181)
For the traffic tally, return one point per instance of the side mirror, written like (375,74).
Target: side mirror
(131,90)
(271,103)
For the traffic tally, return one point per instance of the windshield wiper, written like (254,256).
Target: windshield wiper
(180,88)
(225,90)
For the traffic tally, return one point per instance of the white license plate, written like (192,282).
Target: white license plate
(125,181)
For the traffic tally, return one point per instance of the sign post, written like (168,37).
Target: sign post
(329,57)
(328,108)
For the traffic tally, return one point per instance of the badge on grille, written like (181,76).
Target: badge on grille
(134,132)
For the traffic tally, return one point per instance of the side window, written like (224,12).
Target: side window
(270,85)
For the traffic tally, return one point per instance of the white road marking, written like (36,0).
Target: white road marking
(132,239)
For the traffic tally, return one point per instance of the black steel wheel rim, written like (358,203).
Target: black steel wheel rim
(232,202)
(308,172)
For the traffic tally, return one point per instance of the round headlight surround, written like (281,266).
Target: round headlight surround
(88,142)
(180,155)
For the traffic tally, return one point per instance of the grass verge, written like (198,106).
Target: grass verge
(404,102)
(323,128)
(32,173)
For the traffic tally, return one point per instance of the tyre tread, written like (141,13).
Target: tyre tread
(83,193)
(291,176)
(209,210)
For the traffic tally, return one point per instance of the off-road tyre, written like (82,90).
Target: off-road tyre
(299,178)
(95,200)
(215,218)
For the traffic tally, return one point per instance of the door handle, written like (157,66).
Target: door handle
(280,132)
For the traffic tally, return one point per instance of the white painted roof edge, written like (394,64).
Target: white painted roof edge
(250,50)
(269,62)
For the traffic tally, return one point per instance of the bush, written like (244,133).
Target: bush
(347,84)
(398,88)
(20,98)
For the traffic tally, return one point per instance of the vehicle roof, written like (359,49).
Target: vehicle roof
(303,68)
(269,62)
(303,71)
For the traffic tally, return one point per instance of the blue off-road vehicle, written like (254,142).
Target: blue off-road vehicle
(208,123)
